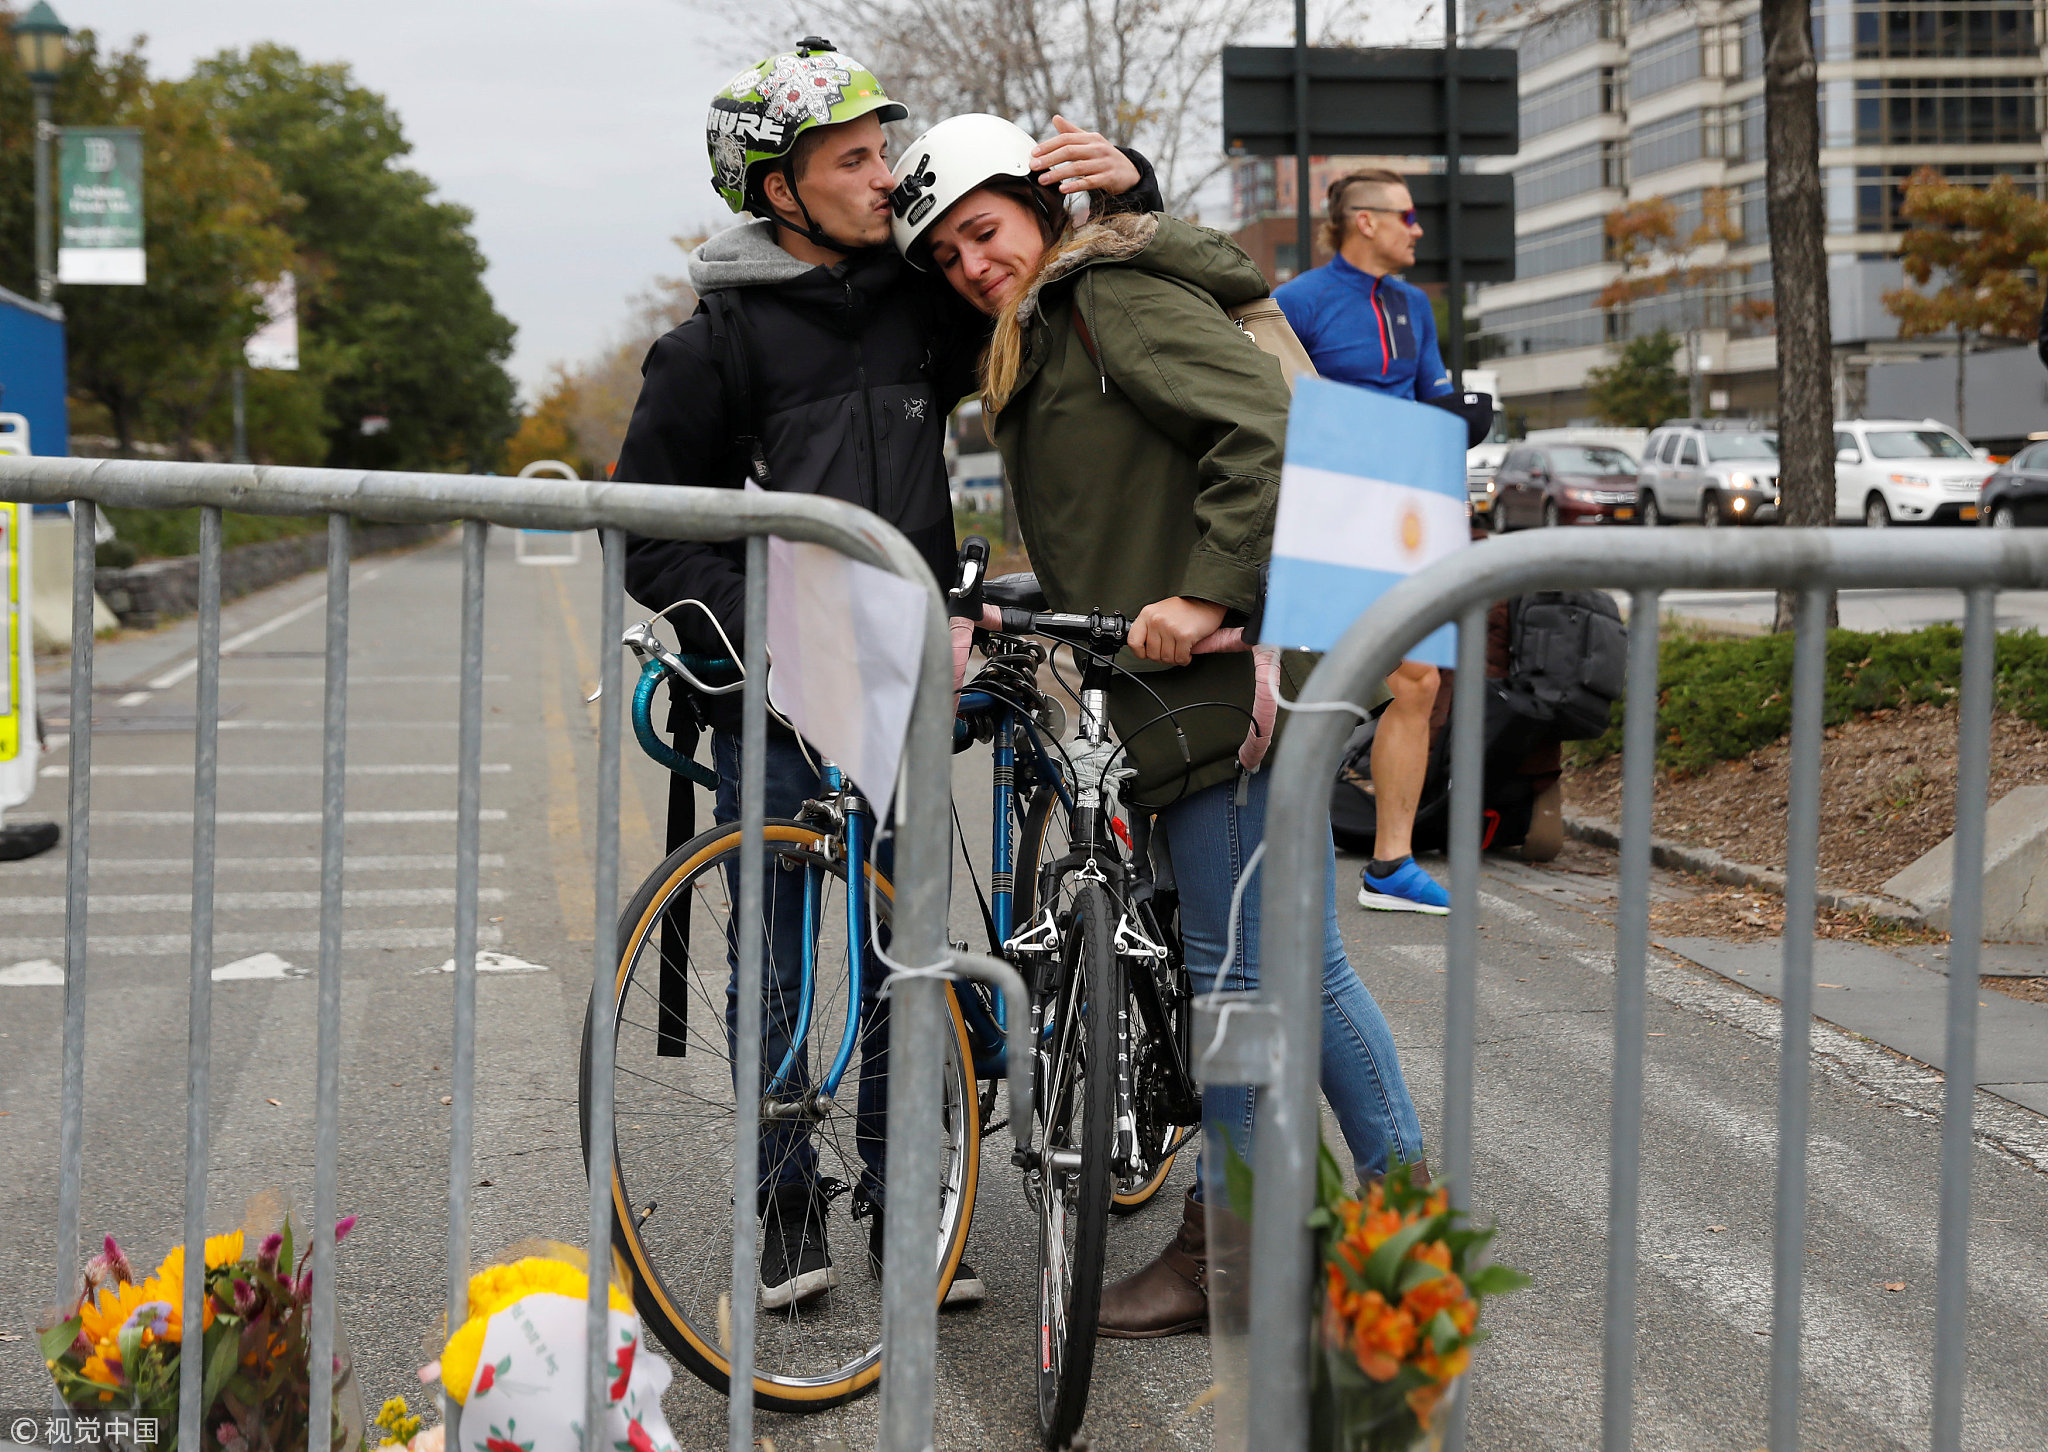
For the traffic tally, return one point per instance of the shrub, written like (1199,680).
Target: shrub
(1722,699)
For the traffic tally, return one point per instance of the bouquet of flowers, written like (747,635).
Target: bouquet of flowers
(119,1351)
(1399,1312)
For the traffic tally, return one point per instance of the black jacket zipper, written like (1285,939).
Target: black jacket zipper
(867,408)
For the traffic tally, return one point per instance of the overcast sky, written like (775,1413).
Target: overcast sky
(572,128)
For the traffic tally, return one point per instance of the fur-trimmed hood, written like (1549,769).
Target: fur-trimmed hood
(1158,243)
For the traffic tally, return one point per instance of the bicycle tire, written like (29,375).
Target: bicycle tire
(1078,1081)
(1041,814)
(1160,1134)
(687,1324)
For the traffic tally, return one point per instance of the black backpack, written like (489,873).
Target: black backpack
(1567,660)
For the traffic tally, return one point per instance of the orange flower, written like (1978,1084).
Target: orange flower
(1441,1369)
(1381,1336)
(1445,1293)
(1433,1252)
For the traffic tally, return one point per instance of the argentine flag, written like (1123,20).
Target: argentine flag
(1372,491)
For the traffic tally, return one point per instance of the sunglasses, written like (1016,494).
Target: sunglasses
(1407,217)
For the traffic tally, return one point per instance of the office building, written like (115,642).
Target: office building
(1623,100)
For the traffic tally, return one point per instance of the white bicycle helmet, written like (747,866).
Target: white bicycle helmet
(945,164)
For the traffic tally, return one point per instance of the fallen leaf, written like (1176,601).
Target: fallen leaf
(273,1104)
(1827,985)
(9,1336)
(1717,1229)
(1656,1035)
(497,920)
(483,1184)
(1895,1285)
(447,1098)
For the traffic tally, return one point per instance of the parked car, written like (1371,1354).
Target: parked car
(1716,471)
(1899,471)
(2018,492)
(1552,484)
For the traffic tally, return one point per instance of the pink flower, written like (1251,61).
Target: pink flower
(266,1254)
(246,1299)
(342,1227)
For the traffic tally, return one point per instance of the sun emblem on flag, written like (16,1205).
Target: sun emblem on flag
(1413,535)
(806,87)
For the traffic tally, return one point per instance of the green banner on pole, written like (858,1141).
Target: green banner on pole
(99,205)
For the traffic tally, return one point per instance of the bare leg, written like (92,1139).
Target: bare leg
(1400,757)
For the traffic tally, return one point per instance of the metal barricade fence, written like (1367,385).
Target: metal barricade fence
(910,1290)
(1279,1038)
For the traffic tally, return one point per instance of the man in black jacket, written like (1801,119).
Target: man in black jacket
(819,363)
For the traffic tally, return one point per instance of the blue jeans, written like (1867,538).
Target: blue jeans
(1210,837)
(788,1156)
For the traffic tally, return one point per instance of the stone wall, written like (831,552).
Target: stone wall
(148,594)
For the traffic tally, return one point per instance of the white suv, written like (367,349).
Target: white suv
(1897,471)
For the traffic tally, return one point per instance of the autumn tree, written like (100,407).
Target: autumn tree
(1988,246)
(1655,260)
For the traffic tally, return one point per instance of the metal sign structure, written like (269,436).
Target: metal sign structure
(1305,101)
(1485,228)
(1382,102)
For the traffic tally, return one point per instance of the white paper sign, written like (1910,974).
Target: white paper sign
(847,641)
(276,343)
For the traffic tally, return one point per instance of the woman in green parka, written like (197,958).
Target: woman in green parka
(1142,434)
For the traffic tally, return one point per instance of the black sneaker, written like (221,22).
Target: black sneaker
(795,1264)
(967,1288)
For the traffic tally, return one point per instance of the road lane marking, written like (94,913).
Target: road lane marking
(36,973)
(396,818)
(257,968)
(636,832)
(182,866)
(254,633)
(575,893)
(494,963)
(178,902)
(304,768)
(168,945)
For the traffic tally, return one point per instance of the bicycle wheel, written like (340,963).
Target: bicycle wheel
(673,1122)
(1077,1091)
(1043,839)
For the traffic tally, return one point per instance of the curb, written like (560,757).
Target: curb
(1706,862)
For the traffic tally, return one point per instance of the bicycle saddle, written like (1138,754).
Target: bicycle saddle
(1015,592)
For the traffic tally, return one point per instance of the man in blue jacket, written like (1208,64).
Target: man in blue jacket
(1362,324)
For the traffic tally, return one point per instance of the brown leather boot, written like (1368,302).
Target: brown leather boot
(1168,1297)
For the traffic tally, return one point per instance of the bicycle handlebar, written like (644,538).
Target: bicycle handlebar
(1098,628)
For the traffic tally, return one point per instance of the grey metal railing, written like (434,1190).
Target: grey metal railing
(910,1290)
(1812,562)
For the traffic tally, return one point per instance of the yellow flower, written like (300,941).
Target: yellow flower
(496,1287)
(102,1318)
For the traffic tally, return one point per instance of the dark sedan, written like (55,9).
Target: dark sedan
(1552,484)
(2018,492)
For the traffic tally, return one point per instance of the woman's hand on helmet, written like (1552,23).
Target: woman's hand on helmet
(1082,161)
(1166,631)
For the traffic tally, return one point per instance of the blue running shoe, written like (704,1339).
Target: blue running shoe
(1407,889)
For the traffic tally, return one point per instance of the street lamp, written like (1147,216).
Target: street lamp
(39,38)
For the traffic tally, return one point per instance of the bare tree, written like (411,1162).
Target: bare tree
(1145,73)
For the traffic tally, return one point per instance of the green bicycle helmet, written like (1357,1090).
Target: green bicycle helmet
(756,119)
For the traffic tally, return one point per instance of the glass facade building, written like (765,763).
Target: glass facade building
(1628,100)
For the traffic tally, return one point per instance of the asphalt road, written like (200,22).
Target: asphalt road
(1544,1061)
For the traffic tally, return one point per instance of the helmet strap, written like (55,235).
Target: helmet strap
(810,231)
